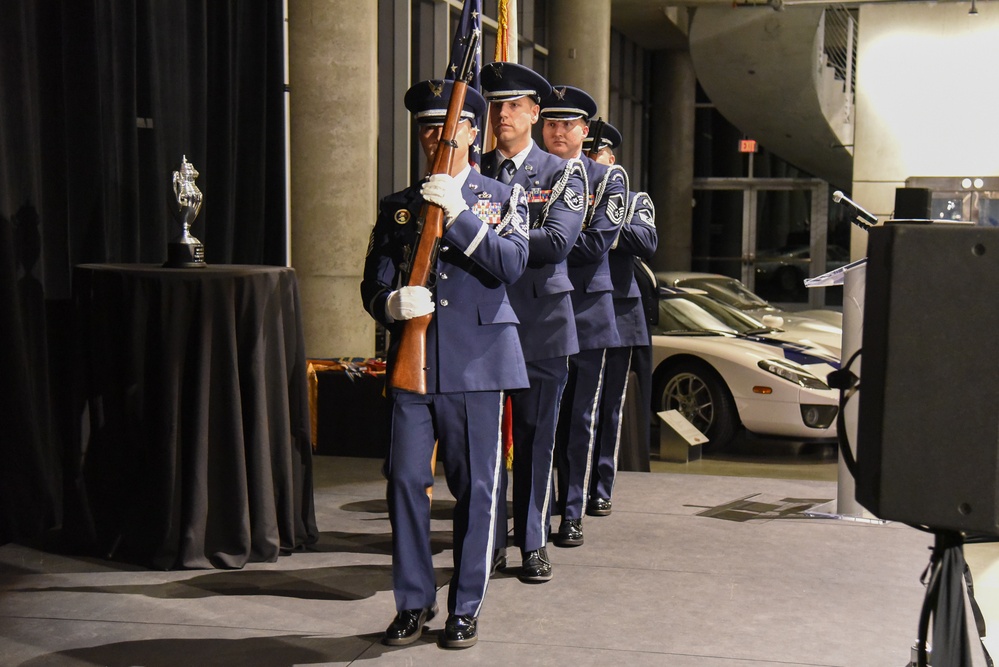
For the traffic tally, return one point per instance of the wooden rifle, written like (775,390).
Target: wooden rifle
(409,370)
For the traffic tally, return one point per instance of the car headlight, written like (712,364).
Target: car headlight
(792,373)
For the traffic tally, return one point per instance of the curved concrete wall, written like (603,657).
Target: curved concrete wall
(763,72)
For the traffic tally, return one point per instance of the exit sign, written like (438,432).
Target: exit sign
(747,145)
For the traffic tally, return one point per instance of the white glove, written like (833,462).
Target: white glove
(408,302)
(443,190)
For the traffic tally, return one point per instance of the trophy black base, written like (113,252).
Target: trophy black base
(185,256)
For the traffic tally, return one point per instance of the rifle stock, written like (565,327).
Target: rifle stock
(409,372)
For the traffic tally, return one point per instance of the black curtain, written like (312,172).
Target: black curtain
(99,102)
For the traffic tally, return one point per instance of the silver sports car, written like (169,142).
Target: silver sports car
(722,369)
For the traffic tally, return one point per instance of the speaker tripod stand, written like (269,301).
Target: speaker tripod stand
(946,578)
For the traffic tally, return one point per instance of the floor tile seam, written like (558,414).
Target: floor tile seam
(798,520)
(633,651)
(121,622)
(363,489)
(736,475)
(182,580)
(352,488)
(802,520)
(734,464)
(783,576)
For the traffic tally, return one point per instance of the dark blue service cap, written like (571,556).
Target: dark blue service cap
(503,81)
(566,103)
(428,100)
(609,138)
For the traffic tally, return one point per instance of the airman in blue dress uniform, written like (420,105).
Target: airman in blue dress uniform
(556,194)
(566,113)
(473,357)
(637,238)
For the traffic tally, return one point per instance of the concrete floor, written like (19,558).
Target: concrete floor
(720,567)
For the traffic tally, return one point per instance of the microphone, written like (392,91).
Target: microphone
(862,217)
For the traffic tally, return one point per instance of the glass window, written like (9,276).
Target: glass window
(628,107)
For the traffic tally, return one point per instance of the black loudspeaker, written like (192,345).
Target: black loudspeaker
(928,426)
(913,203)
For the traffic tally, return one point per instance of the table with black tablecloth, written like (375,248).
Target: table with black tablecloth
(194,446)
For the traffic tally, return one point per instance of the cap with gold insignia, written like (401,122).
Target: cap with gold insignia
(567,103)
(610,137)
(502,81)
(428,100)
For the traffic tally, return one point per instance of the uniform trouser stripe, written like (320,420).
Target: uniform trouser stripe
(468,427)
(409,475)
(593,425)
(498,465)
(620,409)
(616,373)
(582,415)
(535,418)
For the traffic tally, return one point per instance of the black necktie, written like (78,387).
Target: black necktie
(506,171)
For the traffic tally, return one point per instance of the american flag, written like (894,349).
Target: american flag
(469,23)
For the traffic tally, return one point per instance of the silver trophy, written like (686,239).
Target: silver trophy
(185,251)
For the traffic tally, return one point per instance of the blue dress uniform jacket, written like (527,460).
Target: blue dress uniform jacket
(473,354)
(637,238)
(557,199)
(589,269)
(542,296)
(472,341)
(593,301)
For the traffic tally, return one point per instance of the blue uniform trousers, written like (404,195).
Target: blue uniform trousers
(641,365)
(617,367)
(578,430)
(467,427)
(535,417)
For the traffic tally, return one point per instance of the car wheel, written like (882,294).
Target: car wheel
(700,395)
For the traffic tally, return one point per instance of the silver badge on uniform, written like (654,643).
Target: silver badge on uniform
(615,209)
(573,200)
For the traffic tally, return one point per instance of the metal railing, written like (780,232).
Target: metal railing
(839,50)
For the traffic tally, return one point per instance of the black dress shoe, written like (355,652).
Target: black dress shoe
(570,533)
(459,632)
(598,507)
(536,568)
(407,626)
